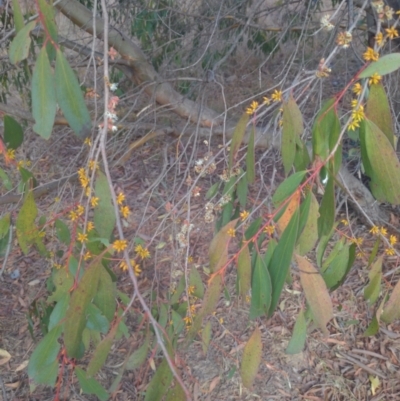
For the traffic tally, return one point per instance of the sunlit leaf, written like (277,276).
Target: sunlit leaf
(251,358)
(316,293)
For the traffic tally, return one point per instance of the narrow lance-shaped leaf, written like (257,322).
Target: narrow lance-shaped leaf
(385,65)
(327,209)
(160,382)
(373,289)
(70,98)
(391,310)
(384,162)
(90,385)
(281,258)
(101,352)
(250,158)
(291,208)
(298,339)
(321,129)
(260,289)
(378,110)
(237,138)
(18,17)
(43,363)
(44,103)
(316,293)
(292,129)
(75,320)
(19,48)
(309,235)
(218,251)
(104,215)
(47,11)
(244,272)
(288,187)
(337,268)
(251,358)
(27,233)
(211,298)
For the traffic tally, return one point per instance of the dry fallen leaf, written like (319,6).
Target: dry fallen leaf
(22,366)
(4,356)
(214,383)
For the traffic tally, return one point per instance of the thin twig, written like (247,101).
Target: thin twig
(362,365)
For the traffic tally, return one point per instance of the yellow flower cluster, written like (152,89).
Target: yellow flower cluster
(371,55)
(124,210)
(275,97)
(357,115)
(142,252)
(136,268)
(390,251)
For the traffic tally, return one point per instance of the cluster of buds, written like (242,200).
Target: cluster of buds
(383,11)
(182,236)
(326,24)
(226,174)
(323,71)
(344,39)
(209,216)
(201,165)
